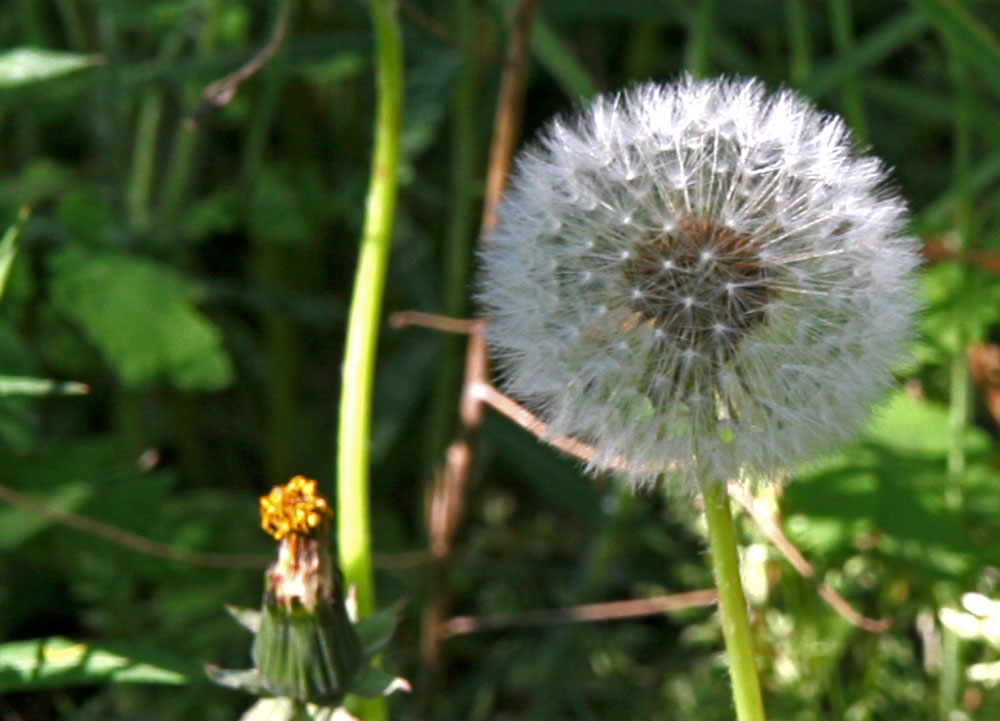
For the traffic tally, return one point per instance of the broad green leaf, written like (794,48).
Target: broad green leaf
(916,429)
(55,662)
(963,303)
(142,316)
(24,66)
(893,485)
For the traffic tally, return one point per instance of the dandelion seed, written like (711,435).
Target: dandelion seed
(750,281)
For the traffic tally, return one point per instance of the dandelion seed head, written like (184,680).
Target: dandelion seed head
(738,279)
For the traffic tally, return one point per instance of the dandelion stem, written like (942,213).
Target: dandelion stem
(353,449)
(732,605)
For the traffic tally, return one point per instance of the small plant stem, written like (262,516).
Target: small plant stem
(960,390)
(732,605)
(353,449)
(177,180)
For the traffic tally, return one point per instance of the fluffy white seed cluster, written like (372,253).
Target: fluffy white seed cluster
(702,281)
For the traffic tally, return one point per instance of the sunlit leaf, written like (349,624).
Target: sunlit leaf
(27,386)
(24,66)
(55,662)
(142,316)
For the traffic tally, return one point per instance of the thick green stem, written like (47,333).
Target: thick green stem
(353,449)
(732,605)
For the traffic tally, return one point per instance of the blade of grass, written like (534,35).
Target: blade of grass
(843,41)
(701,39)
(968,38)
(868,50)
(800,61)
(558,60)
(8,246)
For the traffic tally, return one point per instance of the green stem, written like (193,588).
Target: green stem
(732,605)
(960,390)
(353,449)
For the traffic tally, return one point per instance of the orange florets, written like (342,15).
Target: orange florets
(294,508)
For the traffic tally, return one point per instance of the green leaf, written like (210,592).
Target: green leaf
(372,682)
(55,662)
(142,317)
(27,386)
(963,303)
(25,66)
(376,630)
(890,485)
(914,429)
(248,618)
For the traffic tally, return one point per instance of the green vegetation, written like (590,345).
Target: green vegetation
(173,321)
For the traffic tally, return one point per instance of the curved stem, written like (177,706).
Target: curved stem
(357,382)
(732,605)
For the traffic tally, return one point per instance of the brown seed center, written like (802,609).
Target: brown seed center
(702,286)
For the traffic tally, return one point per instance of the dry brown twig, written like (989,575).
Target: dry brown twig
(446,502)
(222,91)
(127,539)
(520,415)
(608,611)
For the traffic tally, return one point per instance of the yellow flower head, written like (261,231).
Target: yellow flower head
(295,508)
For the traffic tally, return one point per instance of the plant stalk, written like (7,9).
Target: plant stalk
(358,372)
(732,605)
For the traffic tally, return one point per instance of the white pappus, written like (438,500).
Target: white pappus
(700,280)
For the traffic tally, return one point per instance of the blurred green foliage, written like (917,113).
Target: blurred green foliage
(196,278)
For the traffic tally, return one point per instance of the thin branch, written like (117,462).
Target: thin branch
(488,394)
(222,91)
(447,498)
(524,418)
(127,539)
(984,366)
(419,319)
(432,26)
(609,611)
(777,537)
